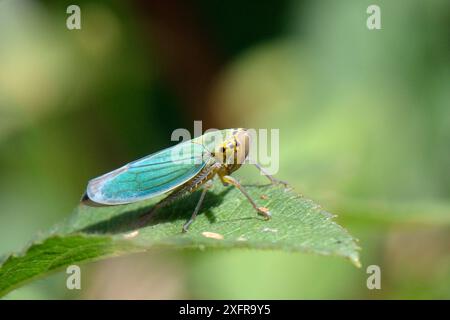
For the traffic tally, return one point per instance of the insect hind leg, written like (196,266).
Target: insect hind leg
(146,217)
(206,187)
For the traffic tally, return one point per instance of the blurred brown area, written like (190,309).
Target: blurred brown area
(140,276)
(188,58)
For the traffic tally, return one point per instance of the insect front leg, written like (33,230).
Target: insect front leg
(272,179)
(206,187)
(260,210)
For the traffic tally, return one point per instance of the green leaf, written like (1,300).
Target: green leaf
(227,220)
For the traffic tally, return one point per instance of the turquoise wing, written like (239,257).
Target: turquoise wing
(150,176)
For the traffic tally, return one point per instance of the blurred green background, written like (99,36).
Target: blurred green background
(364,119)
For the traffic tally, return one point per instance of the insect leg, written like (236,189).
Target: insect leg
(270,177)
(143,220)
(261,210)
(207,186)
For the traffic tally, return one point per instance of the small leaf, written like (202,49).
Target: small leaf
(227,220)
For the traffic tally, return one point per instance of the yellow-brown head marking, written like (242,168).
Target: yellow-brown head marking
(234,150)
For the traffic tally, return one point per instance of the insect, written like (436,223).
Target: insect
(179,170)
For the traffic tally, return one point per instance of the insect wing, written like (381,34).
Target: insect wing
(150,176)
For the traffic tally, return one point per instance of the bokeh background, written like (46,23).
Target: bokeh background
(364,119)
